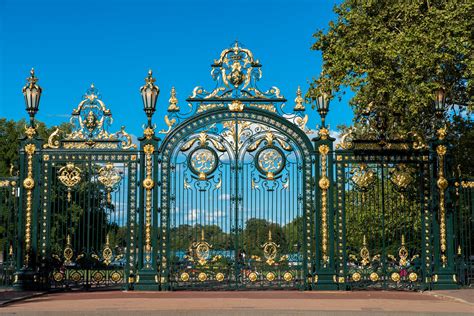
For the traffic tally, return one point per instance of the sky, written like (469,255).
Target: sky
(72,44)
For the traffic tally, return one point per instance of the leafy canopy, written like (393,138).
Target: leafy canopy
(394,54)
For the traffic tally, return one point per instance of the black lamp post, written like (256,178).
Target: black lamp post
(322,102)
(440,101)
(32,93)
(150,93)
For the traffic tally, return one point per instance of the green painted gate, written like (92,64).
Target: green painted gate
(236,194)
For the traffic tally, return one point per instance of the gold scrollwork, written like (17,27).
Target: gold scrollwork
(68,252)
(107,252)
(69,175)
(148,184)
(52,142)
(169,122)
(403,253)
(109,177)
(363,177)
(202,249)
(442,184)
(324,184)
(29,184)
(270,249)
(401,176)
(236,106)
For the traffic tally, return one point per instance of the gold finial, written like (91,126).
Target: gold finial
(32,79)
(299,106)
(364,241)
(459,250)
(32,72)
(149,79)
(202,234)
(10,251)
(403,240)
(173,107)
(269,235)
(68,240)
(107,240)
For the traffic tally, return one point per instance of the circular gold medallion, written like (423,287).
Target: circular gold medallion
(413,276)
(184,277)
(395,276)
(58,276)
(76,276)
(202,277)
(288,276)
(98,277)
(28,183)
(148,183)
(220,277)
(253,277)
(115,277)
(270,276)
(356,277)
(374,277)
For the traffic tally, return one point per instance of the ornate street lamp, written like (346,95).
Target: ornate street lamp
(150,93)
(32,93)
(440,101)
(322,103)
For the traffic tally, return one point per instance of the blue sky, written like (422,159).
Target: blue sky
(72,44)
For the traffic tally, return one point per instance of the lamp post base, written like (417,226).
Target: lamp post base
(26,280)
(444,280)
(147,280)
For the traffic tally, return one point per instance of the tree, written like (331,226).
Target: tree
(393,55)
(10,134)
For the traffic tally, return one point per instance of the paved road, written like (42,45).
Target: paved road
(244,303)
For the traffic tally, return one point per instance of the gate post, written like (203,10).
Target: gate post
(444,276)
(325,278)
(147,277)
(27,276)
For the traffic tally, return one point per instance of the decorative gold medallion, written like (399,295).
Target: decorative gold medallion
(58,276)
(76,276)
(98,276)
(148,183)
(202,277)
(29,183)
(116,277)
(270,276)
(395,276)
(270,249)
(413,276)
(288,276)
(356,277)
(374,277)
(220,277)
(184,277)
(252,276)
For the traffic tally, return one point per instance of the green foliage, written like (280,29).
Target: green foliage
(394,54)
(10,134)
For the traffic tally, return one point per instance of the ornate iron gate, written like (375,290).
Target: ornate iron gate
(236,196)
(82,231)
(235,177)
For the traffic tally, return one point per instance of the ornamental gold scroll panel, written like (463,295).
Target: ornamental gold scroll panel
(69,175)
(110,177)
(90,123)
(201,249)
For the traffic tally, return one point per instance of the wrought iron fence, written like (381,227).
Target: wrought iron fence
(236,196)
